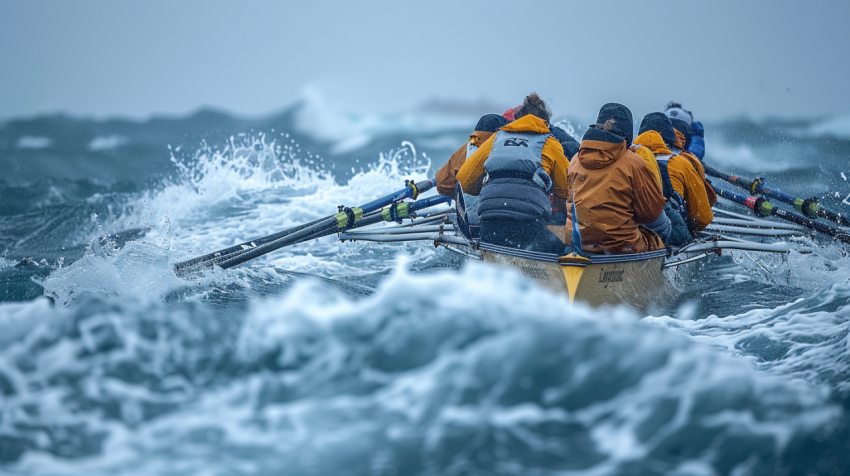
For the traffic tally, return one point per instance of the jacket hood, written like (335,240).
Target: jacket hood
(529,123)
(652,140)
(568,143)
(559,134)
(571,147)
(682,128)
(614,124)
(595,154)
(657,121)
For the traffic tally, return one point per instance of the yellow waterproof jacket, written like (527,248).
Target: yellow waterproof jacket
(447,175)
(684,178)
(471,174)
(649,159)
(680,144)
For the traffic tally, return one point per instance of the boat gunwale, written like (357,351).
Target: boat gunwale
(594,259)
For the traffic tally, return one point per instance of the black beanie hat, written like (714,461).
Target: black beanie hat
(660,123)
(613,124)
(684,128)
(490,123)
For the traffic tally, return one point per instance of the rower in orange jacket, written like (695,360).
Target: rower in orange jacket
(613,189)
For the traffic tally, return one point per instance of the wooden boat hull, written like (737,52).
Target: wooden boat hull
(636,280)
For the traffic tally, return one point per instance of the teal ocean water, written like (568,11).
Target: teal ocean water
(329,358)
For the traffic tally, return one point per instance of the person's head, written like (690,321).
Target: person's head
(683,128)
(490,123)
(534,106)
(568,143)
(613,124)
(660,123)
(676,111)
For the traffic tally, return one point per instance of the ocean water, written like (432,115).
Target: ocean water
(364,359)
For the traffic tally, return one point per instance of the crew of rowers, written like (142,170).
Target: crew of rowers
(525,182)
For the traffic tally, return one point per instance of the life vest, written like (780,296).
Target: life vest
(515,186)
(675,208)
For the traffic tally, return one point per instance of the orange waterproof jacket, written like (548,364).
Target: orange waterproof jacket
(614,192)
(471,174)
(447,175)
(684,178)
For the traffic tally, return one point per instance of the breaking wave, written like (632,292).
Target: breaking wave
(447,373)
(325,358)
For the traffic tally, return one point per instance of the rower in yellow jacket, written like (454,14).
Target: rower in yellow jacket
(657,134)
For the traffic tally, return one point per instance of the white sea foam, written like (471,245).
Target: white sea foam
(33,142)
(350,130)
(18,319)
(107,142)
(836,126)
(445,373)
(249,188)
(827,265)
(742,157)
(807,339)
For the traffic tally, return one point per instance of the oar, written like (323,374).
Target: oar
(411,190)
(762,208)
(395,212)
(808,207)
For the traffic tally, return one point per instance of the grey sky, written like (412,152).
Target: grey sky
(721,58)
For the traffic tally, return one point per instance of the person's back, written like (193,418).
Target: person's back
(684,137)
(514,171)
(447,175)
(680,179)
(613,190)
(567,142)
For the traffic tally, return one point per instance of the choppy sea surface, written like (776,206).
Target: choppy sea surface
(356,359)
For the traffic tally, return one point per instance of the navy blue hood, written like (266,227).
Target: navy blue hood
(569,144)
(614,124)
(685,129)
(660,123)
(490,123)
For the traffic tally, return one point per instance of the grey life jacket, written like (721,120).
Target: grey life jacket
(516,187)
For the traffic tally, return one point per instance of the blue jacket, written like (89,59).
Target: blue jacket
(697,146)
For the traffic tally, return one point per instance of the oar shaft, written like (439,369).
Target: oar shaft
(329,224)
(411,190)
(329,227)
(763,208)
(809,208)
(242,247)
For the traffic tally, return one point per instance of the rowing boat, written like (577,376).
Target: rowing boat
(639,280)
(635,279)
